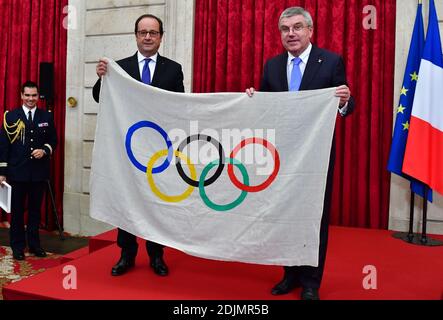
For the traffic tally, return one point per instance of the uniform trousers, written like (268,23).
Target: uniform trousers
(30,193)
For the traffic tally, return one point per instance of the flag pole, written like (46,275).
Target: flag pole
(412,204)
(424,237)
(411,218)
(409,236)
(418,239)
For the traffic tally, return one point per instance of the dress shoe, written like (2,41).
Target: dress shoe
(159,266)
(38,252)
(309,294)
(122,266)
(18,255)
(285,286)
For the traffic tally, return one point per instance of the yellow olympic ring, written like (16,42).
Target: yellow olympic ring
(151,182)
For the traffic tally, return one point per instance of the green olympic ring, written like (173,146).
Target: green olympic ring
(233,204)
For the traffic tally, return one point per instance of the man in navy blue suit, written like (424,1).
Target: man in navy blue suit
(149,67)
(306,67)
(27,140)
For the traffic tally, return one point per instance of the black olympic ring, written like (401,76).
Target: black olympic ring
(221,164)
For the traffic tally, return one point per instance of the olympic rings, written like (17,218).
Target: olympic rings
(268,181)
(201,183)
(151,182)
(231,205)
(148,124)
(221,154)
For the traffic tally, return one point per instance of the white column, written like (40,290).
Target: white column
(73,195)
(179,36)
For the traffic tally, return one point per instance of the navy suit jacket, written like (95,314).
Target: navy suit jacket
(168,74)
(324,69)
(16,162)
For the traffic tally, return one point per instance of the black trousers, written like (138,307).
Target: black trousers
(32,192)
(128,243)
(308,276)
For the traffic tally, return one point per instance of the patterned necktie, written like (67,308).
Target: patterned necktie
(146,73)
(295,75)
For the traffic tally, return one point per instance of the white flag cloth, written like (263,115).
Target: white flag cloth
(265,209)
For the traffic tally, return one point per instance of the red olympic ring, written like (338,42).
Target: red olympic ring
(268,181)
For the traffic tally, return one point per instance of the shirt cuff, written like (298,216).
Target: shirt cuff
(343,109)
(47,148)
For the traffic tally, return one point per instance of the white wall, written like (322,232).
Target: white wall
(101,28)
(400,191)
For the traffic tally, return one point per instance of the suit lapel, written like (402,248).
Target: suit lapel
(133,69)
(23,116)
(314,63)
(36,119)
(159,66)
(283,71)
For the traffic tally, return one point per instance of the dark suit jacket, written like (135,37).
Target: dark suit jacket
(324,69)
(16,162)
(168,74)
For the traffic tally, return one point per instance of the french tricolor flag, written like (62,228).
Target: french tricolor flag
(424,149)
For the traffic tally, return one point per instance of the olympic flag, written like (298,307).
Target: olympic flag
(219,176)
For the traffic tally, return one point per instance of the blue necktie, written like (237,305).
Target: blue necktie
(146,73)
(296,76)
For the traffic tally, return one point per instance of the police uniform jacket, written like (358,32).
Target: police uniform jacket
(16,161)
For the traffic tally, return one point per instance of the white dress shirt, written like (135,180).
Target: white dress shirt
(26,111)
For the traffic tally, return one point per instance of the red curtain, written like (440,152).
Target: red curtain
(233,40)
(32,31)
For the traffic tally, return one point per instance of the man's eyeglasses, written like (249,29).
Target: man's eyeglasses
(296,28)
(144,33)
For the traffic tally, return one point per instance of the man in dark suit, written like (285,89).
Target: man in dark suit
(151,68)
(306,67)
(27,140)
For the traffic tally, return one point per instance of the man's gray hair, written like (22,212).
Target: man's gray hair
(295,11)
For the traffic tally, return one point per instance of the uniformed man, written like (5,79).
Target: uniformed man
(27,140)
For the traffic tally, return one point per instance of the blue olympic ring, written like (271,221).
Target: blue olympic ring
(152,125)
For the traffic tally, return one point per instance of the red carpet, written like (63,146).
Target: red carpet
(404,272)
